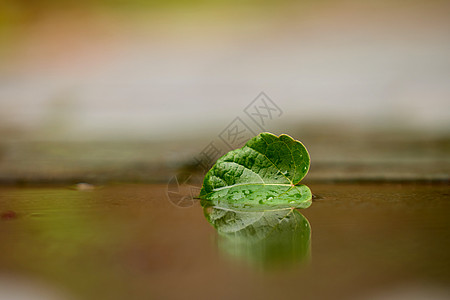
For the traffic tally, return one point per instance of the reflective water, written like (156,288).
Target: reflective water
(265,239)
(368,241)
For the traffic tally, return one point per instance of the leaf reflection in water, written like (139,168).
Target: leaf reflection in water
(268,238)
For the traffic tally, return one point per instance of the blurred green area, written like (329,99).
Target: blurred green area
(18,16)
(14,11)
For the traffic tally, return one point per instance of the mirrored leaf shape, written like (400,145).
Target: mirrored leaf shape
(265,172)
(268,239)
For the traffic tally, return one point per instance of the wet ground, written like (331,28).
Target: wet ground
(366,241)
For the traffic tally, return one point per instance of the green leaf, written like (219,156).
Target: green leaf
(264,238)
(264,174)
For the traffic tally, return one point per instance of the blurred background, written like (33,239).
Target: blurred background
(130,90)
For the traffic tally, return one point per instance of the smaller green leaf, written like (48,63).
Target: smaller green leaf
(264,174)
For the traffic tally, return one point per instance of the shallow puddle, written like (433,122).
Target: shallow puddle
(364,241)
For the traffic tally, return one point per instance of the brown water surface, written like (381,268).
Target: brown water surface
(368,241)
